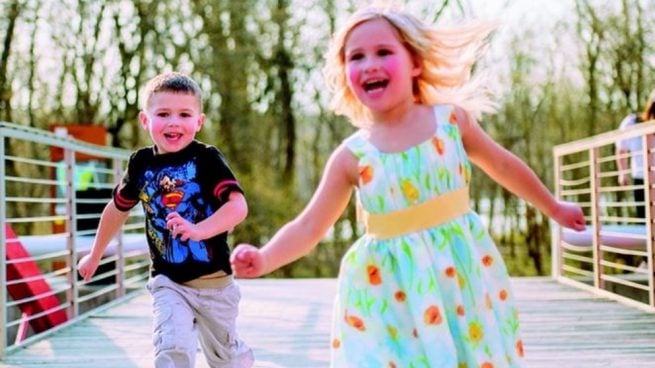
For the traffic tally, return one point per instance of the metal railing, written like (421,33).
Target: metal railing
(614,256)
(49,210)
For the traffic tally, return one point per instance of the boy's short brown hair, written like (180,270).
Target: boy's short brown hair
(171,82)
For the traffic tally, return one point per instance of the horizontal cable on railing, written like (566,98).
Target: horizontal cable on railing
(43,276)
(577,271)
(623,267)
(621,219)
(42,257)
(17,220)
(568,192)
(602,160)
(97,293)
(576,182)
(51,139)
(39,296)
(624,282)
(626,252)
(34,316)
(136,280)
(35,200)
(576,248)
(576,165)
(19,179)
(577,257)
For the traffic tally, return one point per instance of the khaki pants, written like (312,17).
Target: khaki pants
(182,314)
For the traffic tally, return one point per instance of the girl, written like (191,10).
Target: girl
(425,286)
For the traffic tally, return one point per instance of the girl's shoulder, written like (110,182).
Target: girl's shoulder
(357,143)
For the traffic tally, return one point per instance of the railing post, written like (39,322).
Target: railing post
(555,229)
(595,214)
(3,252)
(72,294)
(120,262)
(648,144)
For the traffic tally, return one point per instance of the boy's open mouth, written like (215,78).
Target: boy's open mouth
(172,136)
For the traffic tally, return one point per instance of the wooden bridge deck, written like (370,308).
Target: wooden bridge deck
(287,322)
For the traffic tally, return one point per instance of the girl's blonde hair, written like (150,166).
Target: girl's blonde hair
(446,56)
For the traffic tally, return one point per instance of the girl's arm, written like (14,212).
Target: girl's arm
(302,234)
(512,173)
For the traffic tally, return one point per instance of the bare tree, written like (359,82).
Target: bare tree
(13,12)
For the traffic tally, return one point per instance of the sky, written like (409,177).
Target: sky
(538,22)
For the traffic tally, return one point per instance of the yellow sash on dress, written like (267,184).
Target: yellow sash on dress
(433,212)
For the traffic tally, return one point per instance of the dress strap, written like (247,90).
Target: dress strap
(444,114)
(357,144)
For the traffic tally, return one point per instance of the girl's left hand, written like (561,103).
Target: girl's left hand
(570,215)
(181,227)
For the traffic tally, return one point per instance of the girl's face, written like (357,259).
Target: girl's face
(379,67)
(172,119)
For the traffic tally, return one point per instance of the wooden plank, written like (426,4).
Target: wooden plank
(287,322)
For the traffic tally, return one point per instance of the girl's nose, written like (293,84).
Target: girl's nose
(370,65)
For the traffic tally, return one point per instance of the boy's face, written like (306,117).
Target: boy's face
(172,119)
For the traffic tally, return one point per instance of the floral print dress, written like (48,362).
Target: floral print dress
(435,298)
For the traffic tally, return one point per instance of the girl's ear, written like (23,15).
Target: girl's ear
(417,66)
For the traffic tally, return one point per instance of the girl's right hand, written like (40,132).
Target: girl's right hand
(570,215)
(247,261)
(87,267)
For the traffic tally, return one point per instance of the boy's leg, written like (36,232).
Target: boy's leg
(174,334)
(216,321)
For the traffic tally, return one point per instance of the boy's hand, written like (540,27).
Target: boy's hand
(87,266)
(247,261)
(181,227)
(570,215)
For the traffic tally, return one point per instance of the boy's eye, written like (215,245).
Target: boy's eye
(162,114)
(185,115)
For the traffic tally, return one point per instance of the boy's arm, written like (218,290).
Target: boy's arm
(229,215)
(111,221)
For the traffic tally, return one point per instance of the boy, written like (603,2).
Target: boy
(191,200)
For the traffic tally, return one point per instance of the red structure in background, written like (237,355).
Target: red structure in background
(95,134)
(21,266)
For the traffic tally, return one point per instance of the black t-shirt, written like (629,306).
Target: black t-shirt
(194,182)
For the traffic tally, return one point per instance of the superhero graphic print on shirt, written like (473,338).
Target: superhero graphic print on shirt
(168,190)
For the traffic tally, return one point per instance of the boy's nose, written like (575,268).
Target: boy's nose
(174,120)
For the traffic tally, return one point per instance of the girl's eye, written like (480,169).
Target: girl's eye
(162,114)
(356,56)
(185,115)
(384,52)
